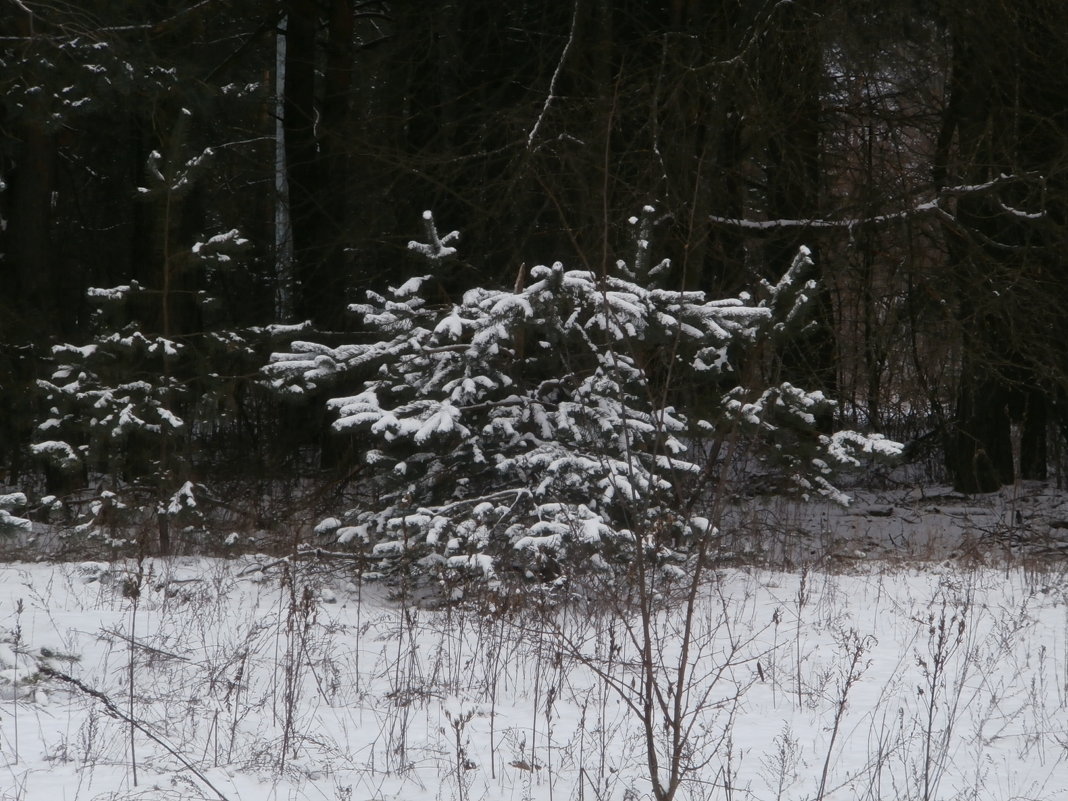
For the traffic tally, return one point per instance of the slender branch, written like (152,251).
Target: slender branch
(556,75)
(144,646)
(931,206)
(927,207)
(161,24)
(113,711)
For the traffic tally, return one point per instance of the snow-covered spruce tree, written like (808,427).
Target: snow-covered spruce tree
(519,429)
(125,408)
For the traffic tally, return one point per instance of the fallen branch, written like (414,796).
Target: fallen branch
(113,711)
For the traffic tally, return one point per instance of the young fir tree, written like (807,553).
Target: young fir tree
(523,429)
(127,407)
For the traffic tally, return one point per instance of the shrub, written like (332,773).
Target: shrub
(532,428)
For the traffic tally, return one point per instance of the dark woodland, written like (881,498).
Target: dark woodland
(187,186)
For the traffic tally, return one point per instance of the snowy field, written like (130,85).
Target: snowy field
(255,679)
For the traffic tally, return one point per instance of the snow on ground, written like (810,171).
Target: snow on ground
(266,680)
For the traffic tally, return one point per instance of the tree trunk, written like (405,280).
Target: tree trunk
(981,451)
(1034,459)
(302,161)
(29,229)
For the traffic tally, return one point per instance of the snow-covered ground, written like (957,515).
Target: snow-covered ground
(873,682)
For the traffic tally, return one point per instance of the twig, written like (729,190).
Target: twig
(144,646)
(552,81)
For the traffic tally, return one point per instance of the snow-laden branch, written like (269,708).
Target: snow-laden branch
(8,521)
(933,207)
(436,249)
(764,226)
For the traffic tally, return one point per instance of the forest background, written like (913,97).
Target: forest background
(187,187)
